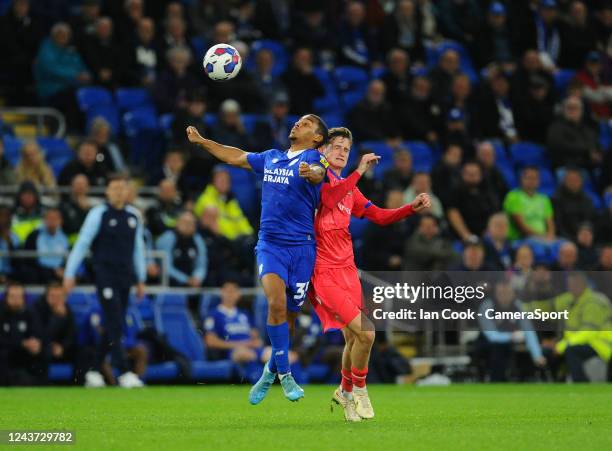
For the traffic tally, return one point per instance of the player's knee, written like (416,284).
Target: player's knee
(277,310)
(366,337)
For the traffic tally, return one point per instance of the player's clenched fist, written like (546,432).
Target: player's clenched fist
(421,202)
(193,135)
(366,162)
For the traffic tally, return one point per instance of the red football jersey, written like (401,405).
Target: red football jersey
(334,242)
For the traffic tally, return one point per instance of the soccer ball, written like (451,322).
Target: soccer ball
(222,62)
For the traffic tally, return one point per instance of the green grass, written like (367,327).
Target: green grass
(514,417)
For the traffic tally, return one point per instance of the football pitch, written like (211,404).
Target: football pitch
(493,417)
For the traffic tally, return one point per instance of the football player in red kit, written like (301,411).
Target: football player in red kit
(335,287)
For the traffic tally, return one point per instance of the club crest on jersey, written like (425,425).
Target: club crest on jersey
(278,175)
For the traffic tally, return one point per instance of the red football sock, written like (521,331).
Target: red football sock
(359,377)
(347,381)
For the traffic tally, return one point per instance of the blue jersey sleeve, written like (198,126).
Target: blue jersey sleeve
(166,244)
(87,234)
(201,267)
(140,263)
(258,161)
(315,157)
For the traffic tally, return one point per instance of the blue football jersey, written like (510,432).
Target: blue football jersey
(288,202)
(229,324)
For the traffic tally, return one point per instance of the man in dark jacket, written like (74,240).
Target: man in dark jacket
(22,360)
(571,204)
(302,85)
(86,162)
(372,118)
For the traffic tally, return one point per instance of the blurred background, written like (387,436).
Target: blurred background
(500,110)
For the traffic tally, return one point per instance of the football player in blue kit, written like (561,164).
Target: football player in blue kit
(286,249)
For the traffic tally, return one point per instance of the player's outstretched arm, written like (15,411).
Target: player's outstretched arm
(386,216)
(331,195)
(227,154)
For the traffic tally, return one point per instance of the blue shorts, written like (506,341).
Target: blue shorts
(292,264)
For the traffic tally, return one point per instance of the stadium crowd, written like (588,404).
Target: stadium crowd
(500,110)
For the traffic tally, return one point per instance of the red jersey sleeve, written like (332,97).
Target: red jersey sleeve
(363,208)
(331,195)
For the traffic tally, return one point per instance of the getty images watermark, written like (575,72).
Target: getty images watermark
(539,300)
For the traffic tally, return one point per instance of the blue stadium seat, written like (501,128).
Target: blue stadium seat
(60,372)
(527,153)
(207,303)
(507,171)
(281,59)
(132,98)
(173,320)
(605,134)
(249,121)
(210,119)
(378,72)
(540,249)
(562,80)
(434,51)
(12,146)
(110,112)
(143,133)
(333,119)
(92,96)
(358,227)
(55,148)
(548,184)
(350,78)
(243,187)
(383,150)
(350,99)
(58,163)
(422,157)
(608,199)
(161,372)
(165,124)
(198,45)
(501,156)
(595,198)
(330,101)
(260,315)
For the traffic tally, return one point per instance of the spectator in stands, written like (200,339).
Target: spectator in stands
(58,71)
(442,75)
(398,79)
(312,31)
(273,132)
(502,338)
(75,206)
(58,325)
(383,247)
(421,183)
(456,132)
(231,222)
(571,204)
(570,141)
(459,19)
(8,243)
(173,169)
(109,152)
(27,215)
(84,24)
(175,82)
(534,110)
(419,116)
(472,257)
(127,22)
(187,262)
(50,241)
(596,86)
(470,204)
(587,253)
(372,119)
(605,259)
(495,116)
(302,84)
(427,249)
(230,334)
(267,83)
(530,212)
(205,14)
(87,163)
(144,56)
(548,34)
(20,34)
(522,267)
(461,98)
(33,168)
(22,360)
(494,41)
(103,56)
(577,36)
(531,65)
(162,216)
(243,15)
(175,34)
(586,333)
(567,258)
(230,128)
(498,252)
(402,29)
(446,174)
(491,175)
(273,18)
(357,44)
(400,175)
(7,173)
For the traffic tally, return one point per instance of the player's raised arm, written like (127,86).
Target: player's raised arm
(227,154)
(331,195)
(385,216)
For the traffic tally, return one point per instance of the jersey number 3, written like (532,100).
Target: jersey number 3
(302,288)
